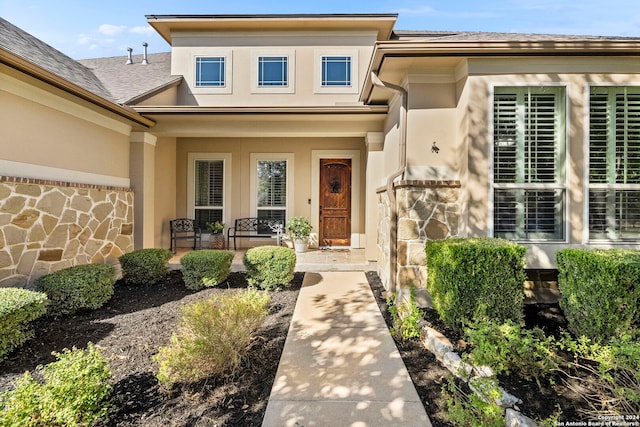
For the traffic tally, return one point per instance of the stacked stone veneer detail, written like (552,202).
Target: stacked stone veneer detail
(427,210)
(46,226)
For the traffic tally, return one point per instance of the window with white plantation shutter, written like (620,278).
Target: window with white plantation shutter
(272,189)
(614,163)
(209,192)
(528,163)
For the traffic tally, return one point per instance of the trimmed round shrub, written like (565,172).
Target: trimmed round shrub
(206,268)
(145,266)
(86,286)
(18,307)
(478,279)
(600,291)
(269,267)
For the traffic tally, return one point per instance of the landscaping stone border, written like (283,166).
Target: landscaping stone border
(442,349)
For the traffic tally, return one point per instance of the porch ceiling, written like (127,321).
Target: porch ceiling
(215,122)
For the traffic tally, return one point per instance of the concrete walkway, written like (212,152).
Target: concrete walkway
(340,366)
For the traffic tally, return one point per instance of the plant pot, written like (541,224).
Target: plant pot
(216,241)
(300,245)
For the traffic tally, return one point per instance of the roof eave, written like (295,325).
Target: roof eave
(165,24)
(28,68)
(492,48)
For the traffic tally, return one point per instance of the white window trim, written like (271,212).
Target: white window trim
(253,176)
(317,78)
(585,149)
(191,182)
(567,170)
(227,54)
(290,54)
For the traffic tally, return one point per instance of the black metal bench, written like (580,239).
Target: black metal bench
(254,227)
(185,229)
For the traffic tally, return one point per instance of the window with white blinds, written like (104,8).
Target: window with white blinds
(614,163)
(271,189)
(209,191)
(528,163)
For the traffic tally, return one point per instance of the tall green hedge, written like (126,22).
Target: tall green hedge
(145,266)
(18,307)
(600,291)
(269,267)
(76,288)
(206,268)
(476,279)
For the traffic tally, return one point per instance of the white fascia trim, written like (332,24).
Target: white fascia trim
(354,155)
(50,100)
(191,182)
(29,170)
(208,52)
(290,54)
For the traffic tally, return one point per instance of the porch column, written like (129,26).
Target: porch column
(374,142)
(142,176)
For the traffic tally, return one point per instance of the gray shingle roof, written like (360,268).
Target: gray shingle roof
(24,45)
(490,36)
(127,81)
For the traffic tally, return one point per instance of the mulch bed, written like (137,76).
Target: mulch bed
(131,327)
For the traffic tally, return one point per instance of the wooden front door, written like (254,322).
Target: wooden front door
(335,202)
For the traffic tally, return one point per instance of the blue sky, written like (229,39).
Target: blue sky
(89,28)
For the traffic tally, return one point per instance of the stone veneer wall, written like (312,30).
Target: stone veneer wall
(46,226)
(427,210)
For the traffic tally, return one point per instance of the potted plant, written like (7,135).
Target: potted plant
(299,229)
(217,239)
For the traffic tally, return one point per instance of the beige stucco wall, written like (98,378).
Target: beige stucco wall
(241,150)
(243,47)
(45,128)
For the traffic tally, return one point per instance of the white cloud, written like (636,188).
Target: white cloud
(111,30)
(144,30)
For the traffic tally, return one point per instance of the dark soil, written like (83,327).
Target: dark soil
(131,327)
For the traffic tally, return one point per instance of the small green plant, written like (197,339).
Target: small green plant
(206,268)
(75,391)
(269,267)
(215,227)
(213,336)
(145,266)
(18,308)
(469,409)
(76,288)
(405,317)
(299,227)
(511,348)
(616,365)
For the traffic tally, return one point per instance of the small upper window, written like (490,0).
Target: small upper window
(336,71)
(210,71)
(273,71)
